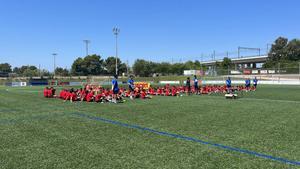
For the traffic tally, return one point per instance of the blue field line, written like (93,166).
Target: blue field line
(224,147)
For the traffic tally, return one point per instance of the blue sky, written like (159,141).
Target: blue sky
(159,30)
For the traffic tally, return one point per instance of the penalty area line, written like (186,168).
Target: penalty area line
(186,138)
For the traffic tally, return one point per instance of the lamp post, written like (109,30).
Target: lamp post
(87,42)
(116,32)
(54,62)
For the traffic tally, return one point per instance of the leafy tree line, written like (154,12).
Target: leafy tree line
(89,65)
(26,71)
(145,68)
(285,52)
(94,65)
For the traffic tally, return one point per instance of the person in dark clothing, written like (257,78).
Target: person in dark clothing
(188,86)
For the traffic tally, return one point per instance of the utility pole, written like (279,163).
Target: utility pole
(87,42)
(127,68)
(116,32)
(40,70)
(279,72)
(215,67)
(299,71)
(54,62)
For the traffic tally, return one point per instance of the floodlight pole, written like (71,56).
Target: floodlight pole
(87,42)
(299,71)
(54,62)
(116,32)
(279,72)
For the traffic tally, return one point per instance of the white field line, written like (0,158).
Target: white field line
(257,99)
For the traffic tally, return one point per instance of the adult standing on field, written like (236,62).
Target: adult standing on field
(255,81)
(131,86)
(196,86)
(115,89)
(188,86)
(228,85)
(248,84)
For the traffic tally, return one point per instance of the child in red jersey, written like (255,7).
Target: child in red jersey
(46,92)
(73,96)
(90,96)
(49,93)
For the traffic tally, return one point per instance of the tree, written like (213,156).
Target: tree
(142,68)
(284,52)
(278,50)
(189,65)
(61,72)
(89,65)
(92,65)
(226,63)
(164,68)
(45,73)
(5,67)
(27,71)
(293,50)
(77,67)
(177,68)
(110,66)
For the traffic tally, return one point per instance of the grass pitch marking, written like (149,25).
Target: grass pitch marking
(257,99)
(186,138)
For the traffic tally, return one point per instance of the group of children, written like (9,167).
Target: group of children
(100,94)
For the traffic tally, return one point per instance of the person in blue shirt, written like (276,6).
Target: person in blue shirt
(115,89)
(196,86)
(255,82)
(247,84)
(228,85)
(131,86)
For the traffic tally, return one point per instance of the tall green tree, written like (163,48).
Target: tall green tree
(27,71)
(293,50)
(5,67)
(61,72)
(278,51)
(110,66)
(142,68)
(226,63)
(92,65)
(89,65)
(285,52)
(77,68)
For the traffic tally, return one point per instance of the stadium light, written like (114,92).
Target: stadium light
(116,32)
(87,42)
(54,62)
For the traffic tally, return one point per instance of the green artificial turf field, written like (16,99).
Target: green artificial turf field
(47,133)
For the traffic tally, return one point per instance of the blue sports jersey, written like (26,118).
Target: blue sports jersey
(247,82)
(255,81)
(195,82)
(115,85)
(228,82)
(131,83)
